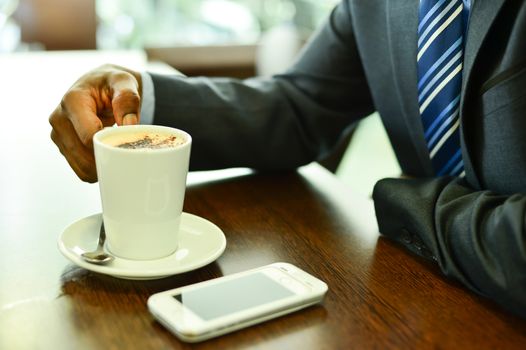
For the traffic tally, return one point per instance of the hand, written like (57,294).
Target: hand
(102,97)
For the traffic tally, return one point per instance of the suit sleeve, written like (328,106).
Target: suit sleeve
(276,123)
(477,237)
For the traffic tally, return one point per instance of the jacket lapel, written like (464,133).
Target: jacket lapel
(402,17)
(483,14)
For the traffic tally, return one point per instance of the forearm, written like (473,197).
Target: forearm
(265,124)
(477,237)
(281,122)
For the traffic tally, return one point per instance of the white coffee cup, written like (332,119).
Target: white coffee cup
(142,190)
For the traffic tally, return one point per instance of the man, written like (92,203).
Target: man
(451,94)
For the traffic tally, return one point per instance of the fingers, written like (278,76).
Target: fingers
(78,155)
(80,107)
(126,102)
(102,97)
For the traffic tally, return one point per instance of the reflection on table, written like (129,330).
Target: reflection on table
(379,295)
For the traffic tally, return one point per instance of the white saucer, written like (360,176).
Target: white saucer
(201,242)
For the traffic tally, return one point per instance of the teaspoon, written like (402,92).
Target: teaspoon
(98,256)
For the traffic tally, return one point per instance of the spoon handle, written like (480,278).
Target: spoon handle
(102,237)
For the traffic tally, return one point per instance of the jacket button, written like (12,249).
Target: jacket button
(418,242)
(406,236)
(428,254)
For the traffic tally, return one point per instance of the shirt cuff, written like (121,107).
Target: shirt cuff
(148,99)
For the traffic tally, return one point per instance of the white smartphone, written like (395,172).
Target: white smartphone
(207,309)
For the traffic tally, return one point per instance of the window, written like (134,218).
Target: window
(162,23)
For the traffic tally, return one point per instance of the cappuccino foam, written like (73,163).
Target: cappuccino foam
(144,140)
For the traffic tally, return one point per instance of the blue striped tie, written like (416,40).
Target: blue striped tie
(440,55)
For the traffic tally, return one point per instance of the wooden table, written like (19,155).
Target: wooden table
(379,296)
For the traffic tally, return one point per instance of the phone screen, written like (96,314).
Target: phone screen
(230,296)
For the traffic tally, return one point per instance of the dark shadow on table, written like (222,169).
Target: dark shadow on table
(279,333)
(113,311)
(79,282)
(414,299)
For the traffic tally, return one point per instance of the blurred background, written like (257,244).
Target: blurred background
(234,38)
(199,37)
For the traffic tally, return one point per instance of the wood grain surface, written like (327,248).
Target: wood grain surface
(379,297)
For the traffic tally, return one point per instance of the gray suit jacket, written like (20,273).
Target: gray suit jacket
(364,59)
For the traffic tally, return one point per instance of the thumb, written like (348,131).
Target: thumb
(126,101)
(130,119)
